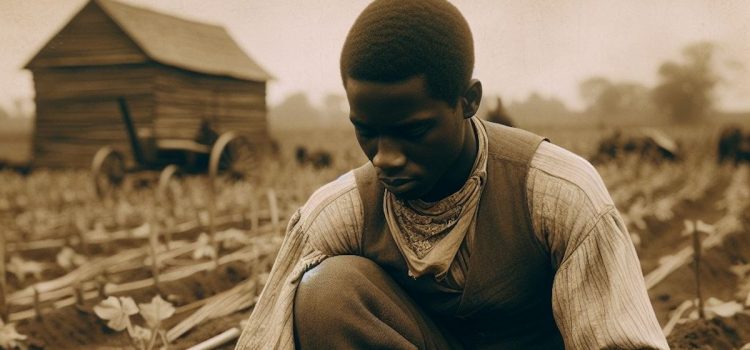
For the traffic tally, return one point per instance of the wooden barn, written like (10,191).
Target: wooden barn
(174,74)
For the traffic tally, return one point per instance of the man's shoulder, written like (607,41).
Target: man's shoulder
(338,191)
(332,217)
(554,167)
(566,198)
(511,144)
(550,157)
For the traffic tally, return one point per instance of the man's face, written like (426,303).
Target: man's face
(411,138)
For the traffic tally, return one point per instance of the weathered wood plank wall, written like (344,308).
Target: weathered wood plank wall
(185,98)
(78,113)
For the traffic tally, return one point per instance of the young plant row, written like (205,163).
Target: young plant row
(737,197)
(657,196)
(90,276)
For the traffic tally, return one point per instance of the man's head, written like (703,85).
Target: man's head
(406,68)
(393,40)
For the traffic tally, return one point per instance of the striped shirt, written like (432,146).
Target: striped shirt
(599,298)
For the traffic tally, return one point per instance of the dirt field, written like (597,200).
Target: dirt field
(49,211)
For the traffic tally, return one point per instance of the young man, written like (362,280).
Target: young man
(458,233)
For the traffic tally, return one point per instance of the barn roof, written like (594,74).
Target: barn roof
(182,43)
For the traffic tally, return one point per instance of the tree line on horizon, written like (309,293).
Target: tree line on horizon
(685,92)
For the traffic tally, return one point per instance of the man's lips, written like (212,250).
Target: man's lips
(398,185)
(395,182)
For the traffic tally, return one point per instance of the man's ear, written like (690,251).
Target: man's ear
(471,98)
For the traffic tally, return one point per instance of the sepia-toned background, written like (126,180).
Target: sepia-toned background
(655,94)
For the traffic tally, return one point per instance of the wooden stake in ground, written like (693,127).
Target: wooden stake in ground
(81,227)
(166,199)
(3,284)
(254,209)
(109,206)
(37,305)
(273,209)
(212,215)
(697,247)
(78,294)
(154,245)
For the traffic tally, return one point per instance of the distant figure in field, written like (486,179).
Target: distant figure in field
(318,159)
(647,143)
(609,147)
(499,114)
(734,145)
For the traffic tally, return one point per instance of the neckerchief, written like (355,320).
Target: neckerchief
(429,234)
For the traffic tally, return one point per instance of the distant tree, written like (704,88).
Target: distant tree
(335,110)
(594,93)
(3,114)
(604,97)
(685,91)
(335,104)
(537,106)
(295,112)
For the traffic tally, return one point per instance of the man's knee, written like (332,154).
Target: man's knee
(330,293)
(351,302)
(328,285)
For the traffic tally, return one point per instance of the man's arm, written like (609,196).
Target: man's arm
(599,298)
(335,217)
(330,223)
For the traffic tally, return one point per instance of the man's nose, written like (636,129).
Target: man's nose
(388,155)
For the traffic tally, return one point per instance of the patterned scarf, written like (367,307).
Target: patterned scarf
(430,234)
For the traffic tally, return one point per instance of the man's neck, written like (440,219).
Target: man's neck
(454,180)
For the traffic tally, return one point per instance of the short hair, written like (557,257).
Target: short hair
(393,40)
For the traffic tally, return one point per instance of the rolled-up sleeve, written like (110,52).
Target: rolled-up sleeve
(599,298)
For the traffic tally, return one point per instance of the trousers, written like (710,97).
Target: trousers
(349,302)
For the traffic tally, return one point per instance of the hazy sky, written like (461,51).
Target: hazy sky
(521,46)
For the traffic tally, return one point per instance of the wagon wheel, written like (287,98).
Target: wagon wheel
(233,154)
(167,187)
(108,170)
